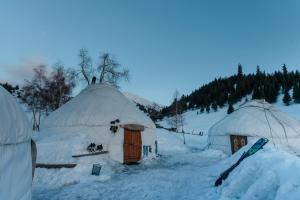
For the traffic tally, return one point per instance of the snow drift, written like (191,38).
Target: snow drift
(270,174)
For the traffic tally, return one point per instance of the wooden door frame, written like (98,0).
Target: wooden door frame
(127,160)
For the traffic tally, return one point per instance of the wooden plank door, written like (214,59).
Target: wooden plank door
(132,146)
(237,142)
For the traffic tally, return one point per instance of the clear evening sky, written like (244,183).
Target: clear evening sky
(166,44)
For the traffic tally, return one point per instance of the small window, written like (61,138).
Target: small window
(237,142)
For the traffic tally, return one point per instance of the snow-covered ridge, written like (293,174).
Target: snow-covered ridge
(142,101)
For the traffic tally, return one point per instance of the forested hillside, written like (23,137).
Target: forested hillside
(229,90)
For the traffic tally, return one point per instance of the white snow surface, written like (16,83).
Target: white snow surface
(181,172)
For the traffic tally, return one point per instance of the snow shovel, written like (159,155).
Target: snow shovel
(255,147)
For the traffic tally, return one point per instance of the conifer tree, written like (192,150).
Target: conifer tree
(207,108)
(286,98)
(230,109)
(214,106)
(296,92)
(202,109)
(240,71)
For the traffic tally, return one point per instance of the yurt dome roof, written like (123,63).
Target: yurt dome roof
(97,105)
(257,118)
(15,127)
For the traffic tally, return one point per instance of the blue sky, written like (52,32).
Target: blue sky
(166,44)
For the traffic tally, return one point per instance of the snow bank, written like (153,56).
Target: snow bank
(269,174)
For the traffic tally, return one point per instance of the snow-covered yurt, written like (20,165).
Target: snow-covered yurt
(253,120)
(101,115)
(15,150)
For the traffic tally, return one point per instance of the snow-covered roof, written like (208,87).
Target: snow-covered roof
(97,105)
(15,127)
(257,118)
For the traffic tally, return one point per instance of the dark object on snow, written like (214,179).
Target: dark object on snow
(54,166)
(256,147)
(91,147)
(90,154)
(115,121)
(96,169)
(113,129)
(94,80)
(99,147)
(33,156)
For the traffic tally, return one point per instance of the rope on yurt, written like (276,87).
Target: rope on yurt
(210,141)
(290,148)
(286,124)
(269,124)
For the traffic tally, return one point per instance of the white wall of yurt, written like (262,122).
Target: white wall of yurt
(88,116)
(15,150)
(256,119)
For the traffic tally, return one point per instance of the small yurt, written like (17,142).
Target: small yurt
(251,121)
(102,115)
(15,150)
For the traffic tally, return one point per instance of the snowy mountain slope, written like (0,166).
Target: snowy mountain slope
(196,121)
(142,101)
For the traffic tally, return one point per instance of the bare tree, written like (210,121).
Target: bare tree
(59,86)
(43,93)
(85,65)
(34,94)
(110,71)
(177,120)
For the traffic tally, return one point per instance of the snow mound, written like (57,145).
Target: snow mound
(269,174)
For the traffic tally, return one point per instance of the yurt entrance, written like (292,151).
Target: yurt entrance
(132,145)
(237,142)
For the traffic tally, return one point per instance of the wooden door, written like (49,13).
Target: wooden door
(132,146)
(237,142)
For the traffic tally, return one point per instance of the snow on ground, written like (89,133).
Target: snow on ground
(181,172)
(267,175)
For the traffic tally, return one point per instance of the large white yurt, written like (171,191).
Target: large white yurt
(15,150)
(101,114)
(253,120)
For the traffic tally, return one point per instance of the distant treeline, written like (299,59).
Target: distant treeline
(10,88)
(227,91)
